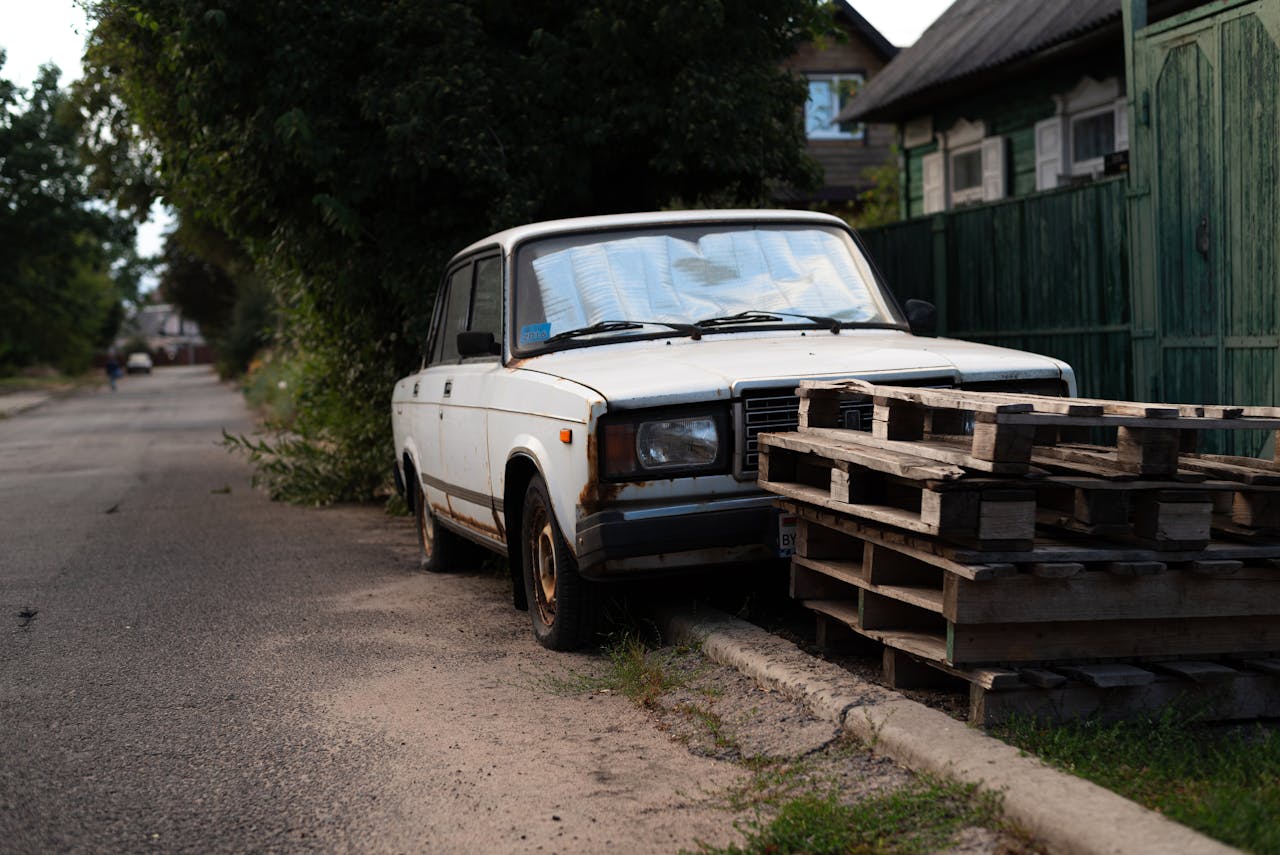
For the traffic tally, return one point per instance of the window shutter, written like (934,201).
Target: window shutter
(1048,153)
(935,187)
(993,169)
(1122,124)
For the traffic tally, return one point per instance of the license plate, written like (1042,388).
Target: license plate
(786,535)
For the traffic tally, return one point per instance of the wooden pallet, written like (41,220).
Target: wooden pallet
(977,539)
(911,493)
(996,433)
(1013,627)
(931,498)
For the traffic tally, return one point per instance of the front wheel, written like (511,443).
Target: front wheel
(560,601)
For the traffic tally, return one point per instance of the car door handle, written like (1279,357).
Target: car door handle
(448,387)
(415,389)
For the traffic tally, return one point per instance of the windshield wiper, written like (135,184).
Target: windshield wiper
(615,326)
(740,318)
(751,317)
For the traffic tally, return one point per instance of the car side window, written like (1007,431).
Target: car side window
(454,319)
(486,301)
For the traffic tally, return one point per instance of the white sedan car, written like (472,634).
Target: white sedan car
(592,390)
(139,363)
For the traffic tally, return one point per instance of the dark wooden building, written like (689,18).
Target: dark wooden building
(836,71)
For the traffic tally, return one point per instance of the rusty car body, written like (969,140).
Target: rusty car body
(592,389)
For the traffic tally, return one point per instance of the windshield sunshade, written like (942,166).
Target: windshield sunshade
(679,279)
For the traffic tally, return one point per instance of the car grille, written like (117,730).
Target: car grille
(772,410)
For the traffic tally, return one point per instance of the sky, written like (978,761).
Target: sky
(34,32)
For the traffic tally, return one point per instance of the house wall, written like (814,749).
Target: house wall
(1010,109)
(843,162)
(1046,273)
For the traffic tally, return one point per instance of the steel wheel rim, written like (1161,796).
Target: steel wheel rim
(542,552)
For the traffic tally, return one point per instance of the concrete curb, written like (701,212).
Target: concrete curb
(21,402)
(1066,813)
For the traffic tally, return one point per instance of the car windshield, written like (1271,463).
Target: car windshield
(592,284)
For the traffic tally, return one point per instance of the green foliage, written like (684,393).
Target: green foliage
(319,449)
(352,155)
(1223,782)
(67,264)
(921,817)
(215,283)
(878,205)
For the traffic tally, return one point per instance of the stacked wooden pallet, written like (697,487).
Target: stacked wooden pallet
(970,535)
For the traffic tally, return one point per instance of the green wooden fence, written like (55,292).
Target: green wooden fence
(1046,273)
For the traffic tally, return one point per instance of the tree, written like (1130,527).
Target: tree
(214,283)
(68,264)
(352,147)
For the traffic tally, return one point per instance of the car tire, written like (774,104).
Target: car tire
(438,548)
(561,602)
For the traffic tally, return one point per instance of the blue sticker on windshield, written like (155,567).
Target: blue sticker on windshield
(534,333)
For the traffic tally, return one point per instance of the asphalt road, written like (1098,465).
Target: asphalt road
(186,666)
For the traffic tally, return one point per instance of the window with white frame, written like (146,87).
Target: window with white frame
(966,175)
(828,95)
(1093,137)
(968,167)
(1091,123)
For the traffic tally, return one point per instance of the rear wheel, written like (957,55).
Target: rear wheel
(560,601)
(439,549)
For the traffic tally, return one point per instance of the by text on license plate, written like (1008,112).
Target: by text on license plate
(786,535)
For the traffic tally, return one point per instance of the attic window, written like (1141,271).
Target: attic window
(828,95)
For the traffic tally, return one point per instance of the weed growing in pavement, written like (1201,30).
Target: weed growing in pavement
(634,670)
(1224,782)
(713,723)
(772,782)
(923,816)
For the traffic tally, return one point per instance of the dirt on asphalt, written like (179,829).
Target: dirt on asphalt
(540,757)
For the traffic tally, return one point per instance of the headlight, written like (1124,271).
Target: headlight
(640,445)
(676,443)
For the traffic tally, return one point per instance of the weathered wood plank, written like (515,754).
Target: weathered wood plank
(972,644)
(933,449)
(925,550)
(1102,596)
(1108,676)
(1204,673)
(836,446)
(1248,696)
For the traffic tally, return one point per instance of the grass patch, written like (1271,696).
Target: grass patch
(272,386)
(50,380)
(1222,782)
(635,671)
(712,722)
(921,817)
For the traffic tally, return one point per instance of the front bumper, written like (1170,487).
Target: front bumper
(636,541)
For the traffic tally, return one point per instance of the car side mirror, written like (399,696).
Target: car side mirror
(475,343)
(923,317)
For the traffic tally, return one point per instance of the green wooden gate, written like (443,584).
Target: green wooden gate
(1205,207)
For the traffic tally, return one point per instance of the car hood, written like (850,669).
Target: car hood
(681,370)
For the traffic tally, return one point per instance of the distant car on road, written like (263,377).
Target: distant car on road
(592,392)
(138,363)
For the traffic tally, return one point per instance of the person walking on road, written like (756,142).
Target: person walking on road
(113,371)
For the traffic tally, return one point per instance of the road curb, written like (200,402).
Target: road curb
(1067,813)
(21,402)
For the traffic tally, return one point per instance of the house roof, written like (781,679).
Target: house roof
(972,36)
(875,39)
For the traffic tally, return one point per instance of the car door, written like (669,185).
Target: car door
(427,392)
(464,387)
